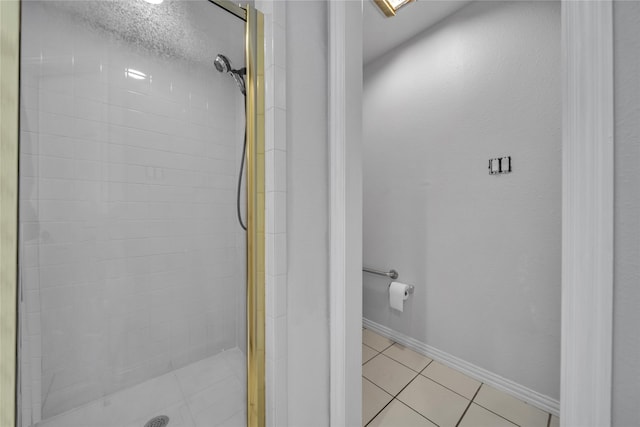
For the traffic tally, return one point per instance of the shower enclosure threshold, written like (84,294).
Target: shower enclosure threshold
(207,393)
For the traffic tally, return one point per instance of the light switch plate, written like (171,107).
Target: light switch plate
(500,165)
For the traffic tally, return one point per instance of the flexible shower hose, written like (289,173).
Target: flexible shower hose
(244,151)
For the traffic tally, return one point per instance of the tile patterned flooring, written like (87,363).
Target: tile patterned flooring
(207,393)
(401,388)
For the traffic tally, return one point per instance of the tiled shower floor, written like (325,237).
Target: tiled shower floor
(207,393)
(403,388)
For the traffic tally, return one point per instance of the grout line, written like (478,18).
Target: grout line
(369,360)
(406,366)
(395,397)
(401,390)
(222,423)
(379,351)
(184,397)
(423,369)
(412,371)
(53,377)
(370,347)
(407,405)
(387,347)
(376,355)
(398,362)
(468,406)
(450,389)
(402,403)
(546,404)
(378,413)
(493,412)
(431,421)
(419,373)
(367,379)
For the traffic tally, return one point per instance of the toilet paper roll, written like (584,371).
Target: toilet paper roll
(398,292)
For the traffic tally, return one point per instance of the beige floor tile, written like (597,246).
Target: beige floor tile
(373,400)
(407,357)
(440,405)
(367,353)
(555,421)
(477,416)
(399,415)
(452,379)
(509,407)
(387,374)
(375,341)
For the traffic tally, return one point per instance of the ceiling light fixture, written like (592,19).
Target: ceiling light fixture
(390,7)
(154,1)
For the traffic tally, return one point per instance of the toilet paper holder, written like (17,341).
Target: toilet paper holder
(410,288)
(392,274)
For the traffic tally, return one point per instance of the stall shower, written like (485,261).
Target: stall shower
(132,262)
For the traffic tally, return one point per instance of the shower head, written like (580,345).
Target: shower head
(223,65)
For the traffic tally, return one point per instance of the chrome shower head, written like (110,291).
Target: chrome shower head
(223,65)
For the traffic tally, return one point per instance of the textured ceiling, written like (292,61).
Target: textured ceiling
(382,34)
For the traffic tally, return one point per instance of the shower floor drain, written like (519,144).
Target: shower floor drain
(159,421)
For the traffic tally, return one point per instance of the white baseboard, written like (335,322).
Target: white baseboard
(516,390)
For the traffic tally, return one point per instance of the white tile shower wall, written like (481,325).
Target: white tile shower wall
(276,206)
(241,236)
(130,249)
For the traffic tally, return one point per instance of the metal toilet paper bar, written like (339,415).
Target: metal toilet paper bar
(392,274)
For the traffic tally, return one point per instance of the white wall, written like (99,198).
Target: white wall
(131,252)
(482,251)
(626,340)
(307,214)
(353,150)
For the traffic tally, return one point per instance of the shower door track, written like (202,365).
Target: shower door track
(231,7)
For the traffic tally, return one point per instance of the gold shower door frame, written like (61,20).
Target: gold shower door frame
(9,129)
(254,51)
(9,140)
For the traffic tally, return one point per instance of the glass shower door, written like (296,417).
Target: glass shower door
(132,260)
